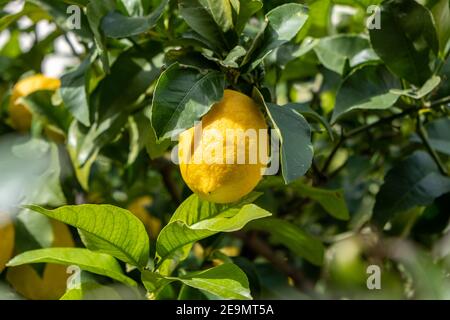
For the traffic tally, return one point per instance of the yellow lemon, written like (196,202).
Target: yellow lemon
(139,208)
(223,158)
(20,114)
(52,285)
(6,240)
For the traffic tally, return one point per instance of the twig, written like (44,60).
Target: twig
(389,119)
(364,128)
(333,153)
(423,136)
(432,104)
(72,47)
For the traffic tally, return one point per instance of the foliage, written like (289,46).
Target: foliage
(362,113)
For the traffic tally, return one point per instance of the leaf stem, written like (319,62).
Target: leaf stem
(426,142)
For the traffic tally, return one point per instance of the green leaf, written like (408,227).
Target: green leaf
(107,229)
(116,25)
(147,136)
(132,7)
(319,19)
(183,95)
(438,133)
(40,103)
(416,44)
(95,11)
(200,20)
(368,88)
(343,52)
(33,231)
(226,281)
(232,57)
(292,237)
(419,93)
(94,262)
(332,201)
(57,10)
(306,111)
(82,151)
(32,173)
(74,91)
(292,129)
(415,181)
(246,10)
(441,14)
(282,24)
(221,12)
(196,219)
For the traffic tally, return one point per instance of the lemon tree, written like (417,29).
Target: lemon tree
(235,149)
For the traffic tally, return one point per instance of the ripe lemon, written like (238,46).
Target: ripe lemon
(211,162)
(52,285)
(19,113)
(6,240)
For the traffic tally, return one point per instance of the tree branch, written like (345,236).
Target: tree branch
(364,128)
(424,138)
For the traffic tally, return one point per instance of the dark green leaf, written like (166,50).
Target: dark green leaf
(306,111)
(282,24)
(95,12)
(415,181)
(342,52)
(332,201)
(40,102)
(246,10)
(74,91)
(183,95)
(438,134)
(221,11)
(368,88)
(441,13)
(292,237)
(416,44)
(200,20)
(116,25)
(292,129)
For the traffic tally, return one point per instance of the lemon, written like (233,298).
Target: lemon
(19,113)
(6,240)
(52,285)
(211,162)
